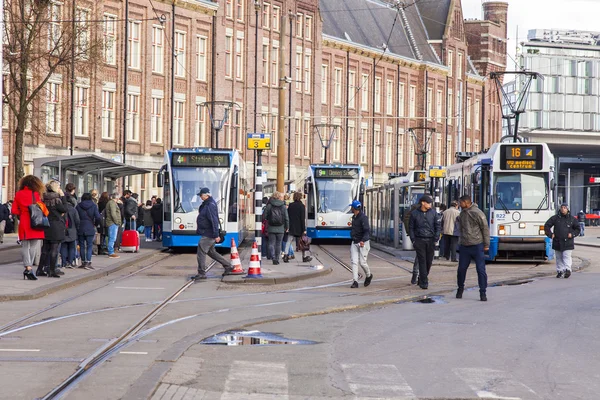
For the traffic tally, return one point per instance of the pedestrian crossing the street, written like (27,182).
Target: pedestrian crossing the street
(250,380)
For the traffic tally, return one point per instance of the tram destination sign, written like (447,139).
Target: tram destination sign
(200,160)
(336,173)
(521,156)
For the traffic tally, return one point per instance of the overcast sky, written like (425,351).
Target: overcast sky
(542,14)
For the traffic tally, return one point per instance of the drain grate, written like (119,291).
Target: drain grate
(513,283)
(430,300)
(252,338)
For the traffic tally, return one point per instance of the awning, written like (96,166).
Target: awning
(88,163)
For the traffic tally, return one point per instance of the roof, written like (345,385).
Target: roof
(369,23)
(434,14)
(90,163)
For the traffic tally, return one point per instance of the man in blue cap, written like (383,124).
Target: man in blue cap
(359,250)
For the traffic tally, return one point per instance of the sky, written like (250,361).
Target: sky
(541,14)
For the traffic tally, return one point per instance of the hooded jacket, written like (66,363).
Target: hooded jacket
(207,222)
(424,225)
(559,226)
(56,208)
(474,227)
(89,217)
(267,216)
(71,219)
(157,213)
(148,221)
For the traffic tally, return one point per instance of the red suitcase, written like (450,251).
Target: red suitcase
(131,241)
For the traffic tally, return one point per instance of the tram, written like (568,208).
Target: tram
(183,174)
(513,184)
(330,188)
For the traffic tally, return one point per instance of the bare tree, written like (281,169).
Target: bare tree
(42,38)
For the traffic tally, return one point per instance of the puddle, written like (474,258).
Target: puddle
(514,283)
(252,338)
(431,300)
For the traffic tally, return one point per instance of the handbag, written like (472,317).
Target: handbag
(38,214)
(97,239)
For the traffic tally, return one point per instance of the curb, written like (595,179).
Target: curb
(68,283)
(277,281)
(588,245)
(386,250)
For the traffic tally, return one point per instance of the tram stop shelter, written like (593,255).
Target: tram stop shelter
(86,171)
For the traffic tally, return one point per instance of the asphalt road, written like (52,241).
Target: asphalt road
(533,341)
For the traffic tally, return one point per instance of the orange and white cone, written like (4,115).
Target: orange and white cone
(254,268)
(235,260)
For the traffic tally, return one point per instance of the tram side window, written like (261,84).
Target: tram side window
(310,201)
(233,198)
(167,197)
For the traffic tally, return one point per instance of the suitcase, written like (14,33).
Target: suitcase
(131,241)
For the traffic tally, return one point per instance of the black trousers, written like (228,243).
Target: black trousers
(425,248)
(451,242)
(49,256)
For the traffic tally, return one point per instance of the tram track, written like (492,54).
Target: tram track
(339,261)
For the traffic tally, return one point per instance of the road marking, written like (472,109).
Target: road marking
(139,288)
(376,380)
(483,380)
(134,352)
(256,380)
(20,350)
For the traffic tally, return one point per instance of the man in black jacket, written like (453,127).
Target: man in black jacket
(581,219)
(359,250)
(131,209)
(562,228)
(297,215)
(4,214)
(424,229)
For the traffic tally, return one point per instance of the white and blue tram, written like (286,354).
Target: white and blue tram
(330,188)
(184,173)
(513,184)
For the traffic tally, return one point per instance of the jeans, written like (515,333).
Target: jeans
(206,246)
(3,225)
(86,245)
(358,256)
(563,260)
(468,253)
(275,240)
(112,237)
(582,226)
(264,248)
(158,231)
(289,249)
(425,248)
(30,249)
(67,252)
(148,232)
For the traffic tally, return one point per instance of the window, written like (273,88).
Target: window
(110,39)
(400,154)
(298,67)
(324,82)
(158,49)
(200,126)
(307,70)
(82,38)
(180,54)
(351,141)
(306,138)
(135,47)
(377,145)
(401,100)
(239,57)
(156,124)
(364,132)
(438,107)
(476,146)
(229,9)
(297,136)
(308,28)
(412,104)
(276,14)
(239,10)
(352,89)
(449,62)
(429,104)
(265,61)
(201,59)
(449,151)
(449,106)
(377,94)
(108,114)
(389,93)
(228,55)
(133,117)
(411,153)
(388,146)
(178,123)
(275,64)
(5,106)
(469,105)
(459,66)
(438,149)
(364,89)
(53,108)
(337,92)
(274,129)
(477,120)
(54,27)
(336,142)
(299,25)
(81,111)
(266,15)
(468,144)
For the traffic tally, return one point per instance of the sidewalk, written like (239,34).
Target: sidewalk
(13,287)
(591,238)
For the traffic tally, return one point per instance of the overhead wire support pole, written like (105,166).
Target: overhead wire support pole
(72,73)
(125,83)
(257,153)
(173,61)
(281,109)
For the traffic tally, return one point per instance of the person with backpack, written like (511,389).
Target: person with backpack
(279,223)
(264,248)
(68,246)
(89,218)
(297,215)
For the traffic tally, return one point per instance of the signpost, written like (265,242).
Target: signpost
(437,172)
(258,141)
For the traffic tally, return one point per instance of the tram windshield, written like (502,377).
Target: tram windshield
(335,194)
(520,191)
(188,181)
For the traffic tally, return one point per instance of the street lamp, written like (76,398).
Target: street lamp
(326,134)
(421,135)
(217,123)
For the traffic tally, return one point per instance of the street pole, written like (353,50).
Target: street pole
(281,110)
(257,153)
(173,59)
(256,10)
(436,185)
(2,103)
(126,68)
(72,138)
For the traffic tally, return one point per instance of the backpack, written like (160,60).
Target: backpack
(276,217)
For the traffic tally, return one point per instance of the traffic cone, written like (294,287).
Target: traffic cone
(235,260)
(254,268)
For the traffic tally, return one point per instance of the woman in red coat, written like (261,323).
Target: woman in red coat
(30,190)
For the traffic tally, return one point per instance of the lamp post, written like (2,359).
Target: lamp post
(421,135)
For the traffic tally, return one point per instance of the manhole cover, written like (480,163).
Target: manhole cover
(513,283)
(252,338)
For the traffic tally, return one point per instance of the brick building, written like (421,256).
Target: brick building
(337,72)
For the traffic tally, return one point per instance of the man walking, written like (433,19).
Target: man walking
(424,227)
(581,219)
(112,223)
(406,223)
(278,223)
(450,234)
(562,228)
(474,242)
(208,227)
(359,250)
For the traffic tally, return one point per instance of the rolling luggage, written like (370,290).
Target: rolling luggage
(131,240)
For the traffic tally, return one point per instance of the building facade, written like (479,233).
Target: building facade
(421,66)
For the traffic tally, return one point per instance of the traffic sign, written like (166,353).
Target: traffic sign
(437,171)
(594,179)
(258,141)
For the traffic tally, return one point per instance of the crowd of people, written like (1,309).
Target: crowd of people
(73,229)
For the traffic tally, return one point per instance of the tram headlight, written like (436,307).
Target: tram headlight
(321,219)
(522,225)
(542,231)
(501,230)
(177,220)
